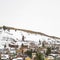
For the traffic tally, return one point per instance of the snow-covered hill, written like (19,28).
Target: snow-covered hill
(9,35)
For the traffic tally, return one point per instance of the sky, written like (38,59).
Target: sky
(37,15)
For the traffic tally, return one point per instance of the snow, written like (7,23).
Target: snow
(6,37)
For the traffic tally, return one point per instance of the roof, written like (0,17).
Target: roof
(27,58)
(16,46)
(50,57)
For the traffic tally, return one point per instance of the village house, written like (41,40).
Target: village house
(58,57)
(4,56)
(12,50)
(49,58)
(18,58)
(5,51)
(13,46)
(46,44)
(42,50)
(23,48)
(57,46)
(33,46)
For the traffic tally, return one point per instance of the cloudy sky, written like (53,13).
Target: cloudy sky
(36,15)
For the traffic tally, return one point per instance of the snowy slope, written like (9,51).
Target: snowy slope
(15,37)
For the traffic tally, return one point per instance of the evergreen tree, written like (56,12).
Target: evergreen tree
(23,38)
(39,56)
(29,53)
(43,45)
(4,28)
(48,51)
(39,42)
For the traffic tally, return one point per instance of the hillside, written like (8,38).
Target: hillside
(29,31)
(15,36)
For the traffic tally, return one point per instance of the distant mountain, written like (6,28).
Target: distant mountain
(29,31)
(11,35)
